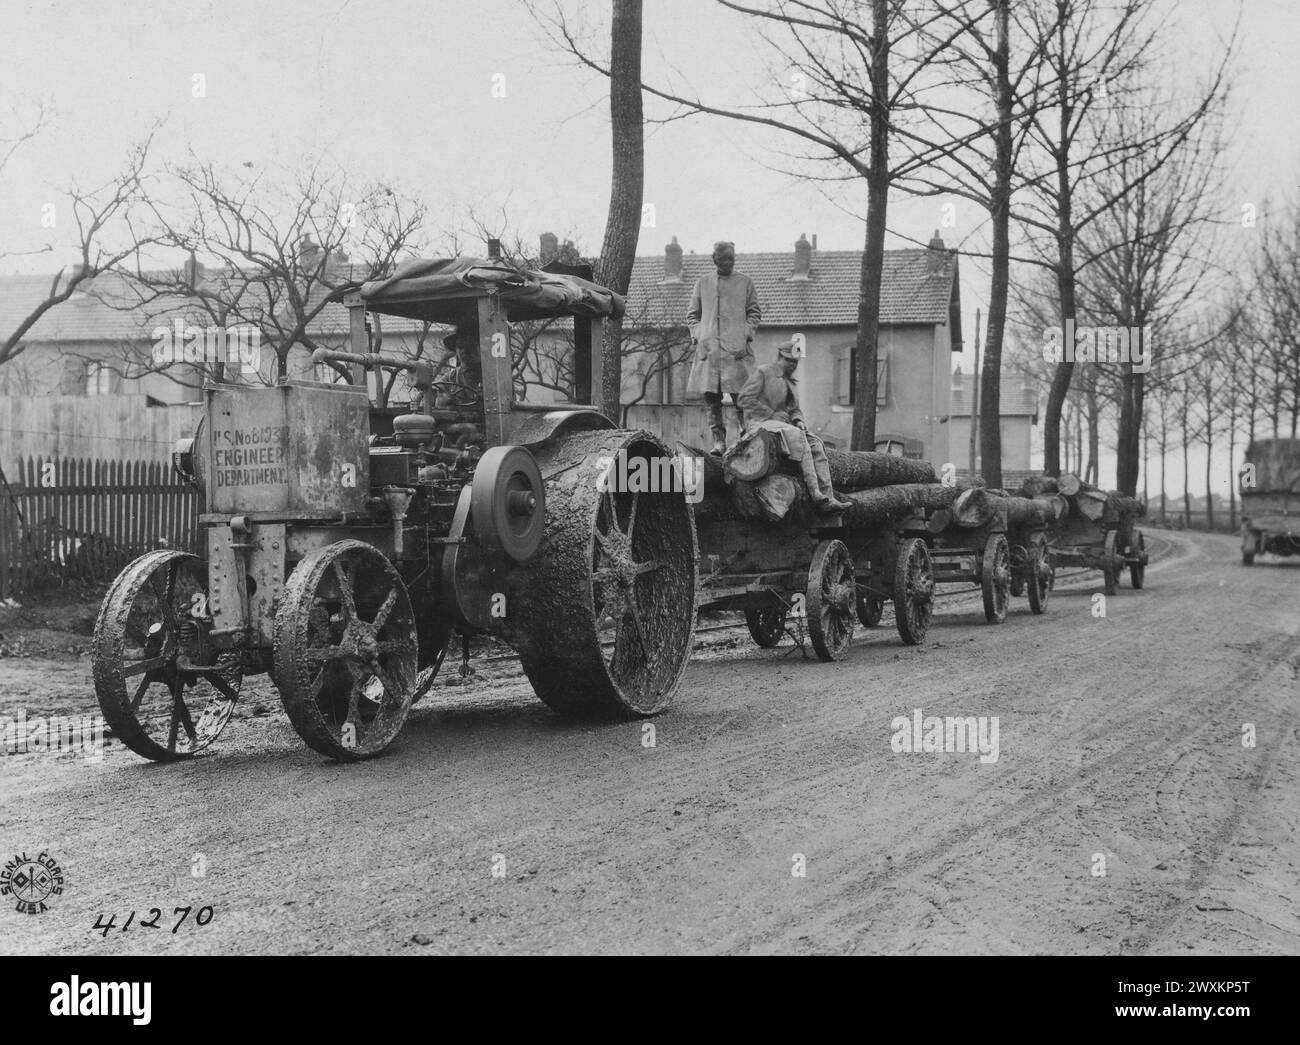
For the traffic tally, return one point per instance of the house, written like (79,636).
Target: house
(1018,413)
(815,293)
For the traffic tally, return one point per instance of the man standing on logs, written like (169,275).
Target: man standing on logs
(723,318)
(770,403)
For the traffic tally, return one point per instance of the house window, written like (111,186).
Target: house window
(846,376)
(100,379)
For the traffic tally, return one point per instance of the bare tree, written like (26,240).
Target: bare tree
(107,223)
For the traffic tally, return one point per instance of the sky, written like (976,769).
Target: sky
(404,92)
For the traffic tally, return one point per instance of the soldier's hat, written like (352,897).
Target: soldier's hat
(790,350)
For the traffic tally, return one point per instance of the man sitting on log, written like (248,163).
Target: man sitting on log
(770,404)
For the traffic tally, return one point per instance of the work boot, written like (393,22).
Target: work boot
(830,505)
(719,441)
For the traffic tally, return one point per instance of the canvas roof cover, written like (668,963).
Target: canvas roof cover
(434,288)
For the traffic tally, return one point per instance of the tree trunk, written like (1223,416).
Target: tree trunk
(623,225)
(990,434)
(873,254)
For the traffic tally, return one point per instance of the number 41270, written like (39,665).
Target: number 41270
(201,917)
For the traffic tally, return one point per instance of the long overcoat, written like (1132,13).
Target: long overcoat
(723,318)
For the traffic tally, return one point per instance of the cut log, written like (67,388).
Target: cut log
(939,521)
(867,470)
(715,479)
(1054,506)
(756,456)
(1068,483)
(978,507)
(889,504)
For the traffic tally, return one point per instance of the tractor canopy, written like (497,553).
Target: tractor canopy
(436,290)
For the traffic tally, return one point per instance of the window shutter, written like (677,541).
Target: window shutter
(882,380)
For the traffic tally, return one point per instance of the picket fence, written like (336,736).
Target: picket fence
(64,520)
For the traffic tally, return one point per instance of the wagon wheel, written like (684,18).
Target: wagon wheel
(165,692)
(1110,562)
(345,617)
(913,590)
(870,608)
(766,625)
(830,600)
(432,652)
(995,578)
(1042,577)
(603,615)
(1137,567)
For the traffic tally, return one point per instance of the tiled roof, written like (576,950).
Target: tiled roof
(917,287)
(1014,399)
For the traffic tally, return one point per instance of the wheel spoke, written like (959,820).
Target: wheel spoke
(345,590)
(139,693)
(323,653)
(631,521)
(382,616)
(226,689)
(649,566)
(148,664)
(186,721)
(176,701)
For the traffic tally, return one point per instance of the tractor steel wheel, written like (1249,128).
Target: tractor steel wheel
(870,608)
(1111,563)
(603,616)
(913,591)
(164,691)
(766,626)
(830,600)
(345,618)
(995,578)
(1040,582)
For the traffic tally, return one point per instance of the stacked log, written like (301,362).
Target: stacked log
(760,455)
(978,507)
(1069,495)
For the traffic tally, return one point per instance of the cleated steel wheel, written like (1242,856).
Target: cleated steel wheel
(603,616)
(164,690)
(995,578)
(913,590)
(345,620)
(832,592)
(1041,578)
(766,626)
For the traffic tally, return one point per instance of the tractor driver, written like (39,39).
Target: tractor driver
(770,403)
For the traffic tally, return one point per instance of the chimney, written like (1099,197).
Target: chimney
(814,241)
(935,255)
(802,258)
(673,262)
(550,248)
(193,272)
(309,253)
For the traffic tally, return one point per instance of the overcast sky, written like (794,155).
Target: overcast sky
(402,91)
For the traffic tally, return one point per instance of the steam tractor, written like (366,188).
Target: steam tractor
(343,546)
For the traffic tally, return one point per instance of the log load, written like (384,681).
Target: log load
(776,496)
(760,455)
(1082,500)
(978,507)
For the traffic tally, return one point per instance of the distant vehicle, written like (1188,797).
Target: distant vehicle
(1270,499)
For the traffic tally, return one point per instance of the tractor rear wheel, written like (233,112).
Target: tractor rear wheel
(604,614)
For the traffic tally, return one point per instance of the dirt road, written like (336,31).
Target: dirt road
(1123,814)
